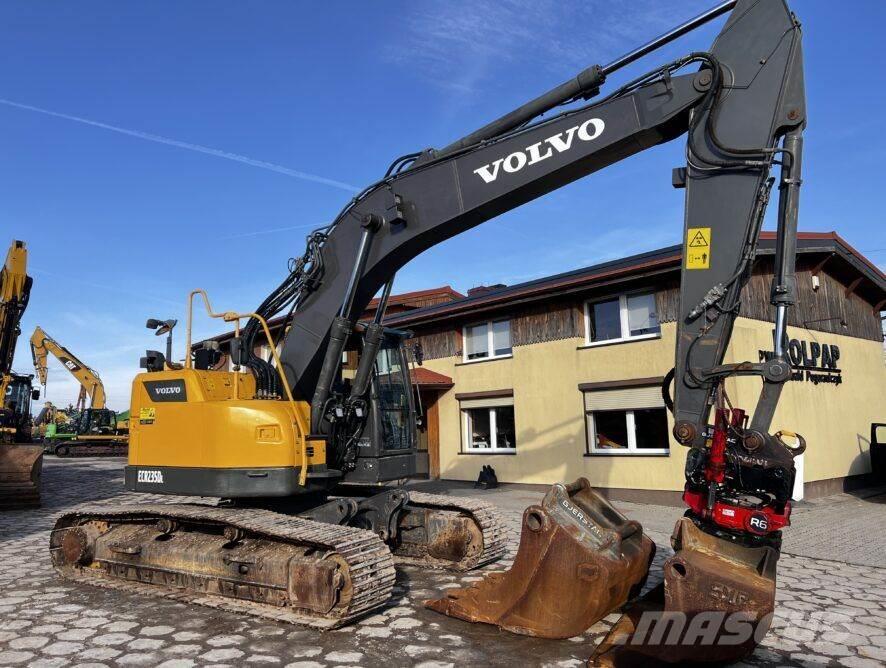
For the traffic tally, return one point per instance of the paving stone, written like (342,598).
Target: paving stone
(11,658)
(146,644)
(222,654)
(28,642)
(63,648)
(859,662)
(825,608)
(177,663)
(100,653)
(112,639)
(344,657)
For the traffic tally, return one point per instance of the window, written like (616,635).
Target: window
(487,340)
(626,421)
(621,319)
(489,428)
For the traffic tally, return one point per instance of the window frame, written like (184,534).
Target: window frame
(490,347)
(591,449)
(623,319)
(466,441)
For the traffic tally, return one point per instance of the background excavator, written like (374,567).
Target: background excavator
(21,463)
(93,430)
(303,452)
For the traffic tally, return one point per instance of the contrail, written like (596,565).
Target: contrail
(109,288)
(273,230)
(236,157)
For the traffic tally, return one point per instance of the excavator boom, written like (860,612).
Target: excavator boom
(42,345)
(20,464)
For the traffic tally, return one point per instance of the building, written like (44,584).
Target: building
(560,377)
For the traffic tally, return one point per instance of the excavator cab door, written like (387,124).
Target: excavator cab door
(394,410)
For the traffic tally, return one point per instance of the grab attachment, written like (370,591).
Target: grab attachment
(579,559)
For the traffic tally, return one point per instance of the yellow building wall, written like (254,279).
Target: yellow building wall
(550,422)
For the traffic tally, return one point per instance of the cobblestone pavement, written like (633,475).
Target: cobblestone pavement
(829,613)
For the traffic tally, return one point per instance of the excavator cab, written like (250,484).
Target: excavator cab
(386,447)
(15,416)
(97,421)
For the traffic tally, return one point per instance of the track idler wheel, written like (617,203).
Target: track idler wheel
(715,605)
(578,560)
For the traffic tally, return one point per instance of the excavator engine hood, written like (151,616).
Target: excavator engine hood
(578,560)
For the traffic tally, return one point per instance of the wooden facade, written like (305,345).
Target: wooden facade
(831,307)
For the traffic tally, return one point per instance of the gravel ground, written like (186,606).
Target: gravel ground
(829,612)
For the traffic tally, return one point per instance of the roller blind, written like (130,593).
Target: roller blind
(624,399)
(486,403)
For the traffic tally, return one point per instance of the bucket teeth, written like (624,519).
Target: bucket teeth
(578,560)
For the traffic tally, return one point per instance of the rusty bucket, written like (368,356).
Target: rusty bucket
(20,469)
(579,559)
(715,605)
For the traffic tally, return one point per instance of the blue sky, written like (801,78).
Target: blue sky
(213,135)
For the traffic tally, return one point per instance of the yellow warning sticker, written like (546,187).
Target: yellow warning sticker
(698,248)
(147,415)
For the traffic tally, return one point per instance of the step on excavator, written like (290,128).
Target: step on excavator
(21,462)
(302,452)
(94,430)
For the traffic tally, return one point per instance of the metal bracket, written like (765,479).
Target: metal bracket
(381,513)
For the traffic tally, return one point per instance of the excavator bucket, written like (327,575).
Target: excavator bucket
(714,606)
(578,560)
(20,469)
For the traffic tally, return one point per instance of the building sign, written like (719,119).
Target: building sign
(812,361)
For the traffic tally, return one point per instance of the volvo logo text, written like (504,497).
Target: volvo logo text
(587,131)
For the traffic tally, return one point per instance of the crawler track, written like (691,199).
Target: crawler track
(369,568)
(485,515)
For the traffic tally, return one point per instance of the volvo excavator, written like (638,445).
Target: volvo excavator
(94,430)
(310,532)
(21,463)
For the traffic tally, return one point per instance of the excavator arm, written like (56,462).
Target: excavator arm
(743,111)
(42,346)
(15,290)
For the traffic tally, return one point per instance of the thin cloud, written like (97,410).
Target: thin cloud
(227,155)
(106,288)
(462,44)
(274,230)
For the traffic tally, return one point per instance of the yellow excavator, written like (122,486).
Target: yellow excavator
(93,430)
(21,463)
(303,454)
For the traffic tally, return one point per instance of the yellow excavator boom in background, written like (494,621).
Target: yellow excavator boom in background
(95,429)
(20,464)
(42,345)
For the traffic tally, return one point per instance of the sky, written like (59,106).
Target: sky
(150,148)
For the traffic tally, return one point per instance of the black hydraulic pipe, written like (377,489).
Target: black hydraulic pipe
(584,85)
(338,337)
(371,344)
(383,301)
(667,37)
